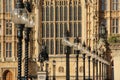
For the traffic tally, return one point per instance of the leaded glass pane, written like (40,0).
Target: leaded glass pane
(61,30)
(52,46)
(79,12)
(70,12)
(8,50)
(71,29)
(75,12)
(57,30)
(43,30)
(65,27)
(61,13)
(75,30)
(43,14)
(57,13)
(79,29)
(52,13)
(47,47)
(47,13)
(52,30)
(61,47)
(57,46)
(8,27)
(47,30)
(65,13)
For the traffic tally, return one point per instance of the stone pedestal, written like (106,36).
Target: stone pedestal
(41,75)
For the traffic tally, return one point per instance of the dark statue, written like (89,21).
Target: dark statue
(43,56)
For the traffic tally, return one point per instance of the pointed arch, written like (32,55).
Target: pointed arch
(7,75)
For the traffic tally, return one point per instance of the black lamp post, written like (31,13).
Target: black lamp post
(54,67)
(67,52)
(84,66)
(27,32)
(16,18)
(84,45)
(89,49)
(96,69)
(28,27)
(76,41)
(93,60)
(20,37)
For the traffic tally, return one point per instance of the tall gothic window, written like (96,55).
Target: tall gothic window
(8,27)
(58,17)
(115,4)
(115,26)
(8,50)
(8,6)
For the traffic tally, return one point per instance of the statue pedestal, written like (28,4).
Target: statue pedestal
(41,75)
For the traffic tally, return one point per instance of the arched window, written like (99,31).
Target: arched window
(7,75)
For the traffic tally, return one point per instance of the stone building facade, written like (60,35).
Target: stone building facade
(82,18)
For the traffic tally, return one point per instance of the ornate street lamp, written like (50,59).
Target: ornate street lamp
(76,41)
(22,19)
(28,26)
(17,19)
